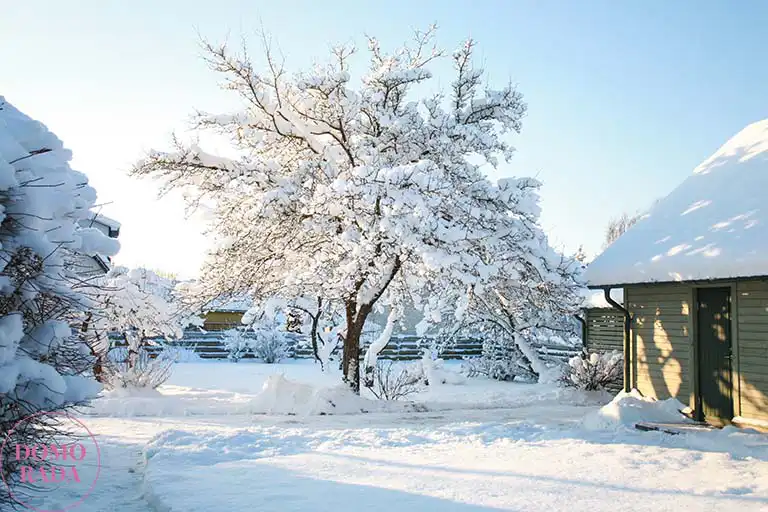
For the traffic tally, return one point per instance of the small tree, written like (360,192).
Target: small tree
(44,362)
(139,306)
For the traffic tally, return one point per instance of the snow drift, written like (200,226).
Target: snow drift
(283,396)
(627,409)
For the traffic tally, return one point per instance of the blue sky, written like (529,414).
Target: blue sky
(625,97)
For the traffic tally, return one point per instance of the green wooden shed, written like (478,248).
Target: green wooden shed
(694,277)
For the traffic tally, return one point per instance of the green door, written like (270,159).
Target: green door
(714,353)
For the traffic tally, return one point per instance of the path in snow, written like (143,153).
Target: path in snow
(120,484)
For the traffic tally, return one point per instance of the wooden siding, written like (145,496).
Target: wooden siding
(605,330)
(662,343)
(752,350)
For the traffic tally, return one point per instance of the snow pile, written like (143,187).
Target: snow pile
(283,396)
(713,225)
(437,373)
(628,409)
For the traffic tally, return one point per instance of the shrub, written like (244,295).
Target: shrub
(136,369)
(396,381)
(180,354)
(594,371)
(237,344)
(269,345)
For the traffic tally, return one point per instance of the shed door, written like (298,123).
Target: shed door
(714,352)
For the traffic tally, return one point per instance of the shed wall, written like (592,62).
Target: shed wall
(752,350)
(662,340)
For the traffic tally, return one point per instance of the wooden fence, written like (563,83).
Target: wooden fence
(211,345)
(605,330)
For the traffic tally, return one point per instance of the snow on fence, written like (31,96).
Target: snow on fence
(210,345)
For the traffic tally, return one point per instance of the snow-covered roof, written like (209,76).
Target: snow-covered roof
(97,218)
(714,225)
(596,298)
(237,305)
(112,223)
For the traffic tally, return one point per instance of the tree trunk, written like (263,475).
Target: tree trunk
(313,337)
(355,322)
(315,323)
(98,366)
(376,347)
(351,366)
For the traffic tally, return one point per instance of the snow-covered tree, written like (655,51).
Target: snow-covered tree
(359,192)
(44,365)
(138,305)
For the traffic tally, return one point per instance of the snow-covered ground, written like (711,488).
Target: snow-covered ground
(205,443)
(236,388)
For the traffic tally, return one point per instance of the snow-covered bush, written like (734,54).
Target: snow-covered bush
(180,353)
(263,342)
(45,361)
(269,345)
(395,381)
(237,344)
(435,372)
(129,370)
(500,357)
(505,369)
(594,371)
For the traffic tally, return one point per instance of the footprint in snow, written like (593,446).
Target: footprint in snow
(738,490)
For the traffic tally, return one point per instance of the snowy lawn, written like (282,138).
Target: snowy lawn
(204,443)
(213,388)
(427,465)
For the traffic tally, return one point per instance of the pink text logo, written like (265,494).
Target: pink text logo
(55,476)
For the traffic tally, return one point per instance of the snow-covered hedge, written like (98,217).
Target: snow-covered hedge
(594,371)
